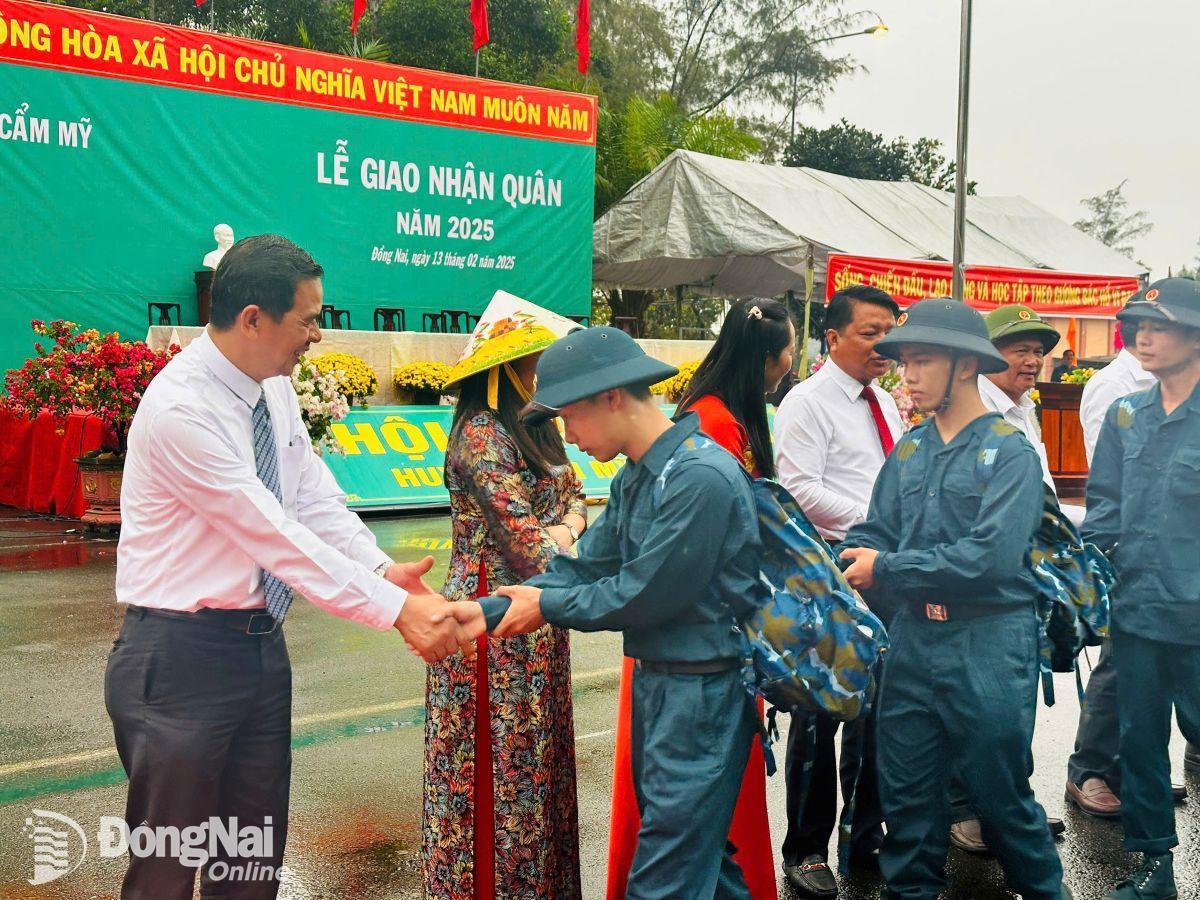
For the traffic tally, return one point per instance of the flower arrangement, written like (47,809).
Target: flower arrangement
(355,379)
(85,371)
(422,377)
(1077,376)
(321,404)
(674,386)
(892,381)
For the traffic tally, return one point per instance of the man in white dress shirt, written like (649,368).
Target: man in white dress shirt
(225,510)
(1024,339)
(832,434)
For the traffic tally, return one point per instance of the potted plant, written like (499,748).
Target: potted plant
(421,384)
(321,404)
(83,371)
(356,380)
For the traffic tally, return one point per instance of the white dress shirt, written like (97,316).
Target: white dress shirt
(1124,375)
(827,448)
(1021,415)
(198,526)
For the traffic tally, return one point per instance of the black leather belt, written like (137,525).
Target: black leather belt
(246,621)
(708,667)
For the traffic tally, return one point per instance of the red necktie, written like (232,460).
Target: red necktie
(885,433)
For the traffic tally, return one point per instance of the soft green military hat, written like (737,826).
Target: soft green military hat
(947,324)
(1007,322)
(1174,300)
(589,362)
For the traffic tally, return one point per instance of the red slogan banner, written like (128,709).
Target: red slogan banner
(987,287)
(72,40)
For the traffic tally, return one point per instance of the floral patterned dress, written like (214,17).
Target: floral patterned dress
(499,513)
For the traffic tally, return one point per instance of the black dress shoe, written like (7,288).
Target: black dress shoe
(812,878)
(1179,792)
(1056,826)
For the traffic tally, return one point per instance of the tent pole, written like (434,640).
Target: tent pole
(809,277)
(960,160)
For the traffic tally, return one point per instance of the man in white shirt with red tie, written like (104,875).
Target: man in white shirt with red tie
(225,510)
(832,434)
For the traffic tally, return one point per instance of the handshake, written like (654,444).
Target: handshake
(434,628)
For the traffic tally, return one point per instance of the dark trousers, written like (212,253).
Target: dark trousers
(812,814)
(1152,677)
(1099,734)
(202,719)
(961,690)
(689,742)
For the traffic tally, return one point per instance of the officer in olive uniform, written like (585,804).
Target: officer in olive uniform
(960,677)
(1143,500)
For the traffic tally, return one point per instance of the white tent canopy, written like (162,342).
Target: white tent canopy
(740,228)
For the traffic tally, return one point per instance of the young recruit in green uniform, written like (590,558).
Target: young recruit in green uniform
(960,677)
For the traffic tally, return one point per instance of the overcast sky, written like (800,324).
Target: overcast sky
(1067,99)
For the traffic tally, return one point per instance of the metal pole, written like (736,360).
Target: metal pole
(809,277)
(679,311)
(960,160)
(476,63)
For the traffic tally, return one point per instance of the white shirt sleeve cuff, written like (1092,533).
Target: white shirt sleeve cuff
(387,600)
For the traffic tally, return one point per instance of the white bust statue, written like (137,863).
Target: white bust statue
(224,238)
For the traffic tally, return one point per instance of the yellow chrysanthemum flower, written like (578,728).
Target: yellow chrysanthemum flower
(422,376)
(674,386)
(354,377)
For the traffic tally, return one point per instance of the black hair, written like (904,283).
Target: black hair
(734,368)
(637,391)
(541,446)
(261,271)
(840,312)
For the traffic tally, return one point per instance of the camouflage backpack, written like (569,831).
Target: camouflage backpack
(1074,578)
(812,644)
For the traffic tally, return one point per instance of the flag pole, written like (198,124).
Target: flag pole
(476,63)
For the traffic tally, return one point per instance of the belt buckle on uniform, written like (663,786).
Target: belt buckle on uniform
(935,612)
(255,626)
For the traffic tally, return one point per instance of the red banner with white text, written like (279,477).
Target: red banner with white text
(987,287)
(74,40)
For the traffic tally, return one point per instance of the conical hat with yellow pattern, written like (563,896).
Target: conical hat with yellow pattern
(509,328)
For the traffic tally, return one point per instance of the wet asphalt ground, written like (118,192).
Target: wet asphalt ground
(357,739)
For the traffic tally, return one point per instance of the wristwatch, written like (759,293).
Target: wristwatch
(574,533)
(381,569)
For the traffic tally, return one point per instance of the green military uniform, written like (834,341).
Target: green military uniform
(1143,499)
(960,676)
(671,564)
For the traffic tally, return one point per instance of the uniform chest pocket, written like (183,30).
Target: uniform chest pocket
(1185,477)
(634,533)
(912,482)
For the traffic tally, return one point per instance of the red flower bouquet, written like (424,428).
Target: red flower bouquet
(85,371)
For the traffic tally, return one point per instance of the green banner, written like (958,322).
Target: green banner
(395,456)
(120,151)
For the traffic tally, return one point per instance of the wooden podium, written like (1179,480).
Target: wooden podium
(1063,436)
